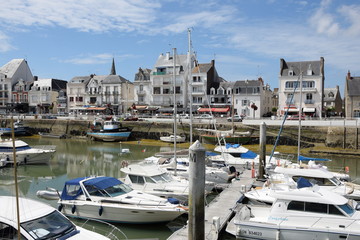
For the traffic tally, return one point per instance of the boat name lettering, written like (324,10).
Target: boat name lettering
(278,218)
(250,232)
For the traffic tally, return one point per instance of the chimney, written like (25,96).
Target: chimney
(348,77)
(213,63)
(35,78)
(168,56)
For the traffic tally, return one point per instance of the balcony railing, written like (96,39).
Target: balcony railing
(309,101)
(159,73)
(289,101)
(141,92)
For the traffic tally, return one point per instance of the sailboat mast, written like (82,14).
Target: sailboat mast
(174,100)
(15,178)
(300,115)
(190,84)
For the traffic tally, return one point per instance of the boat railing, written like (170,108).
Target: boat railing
(103,228)
(316,220)
(45,147)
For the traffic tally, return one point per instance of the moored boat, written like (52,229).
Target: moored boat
(109,131)
(109,199)
(300,214)
(171,139)
(38,221)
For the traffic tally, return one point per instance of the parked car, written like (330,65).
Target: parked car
(237,118)
(204,116)
(295,117)
(131,118)
(268,114)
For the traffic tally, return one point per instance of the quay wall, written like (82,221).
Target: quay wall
(331,136)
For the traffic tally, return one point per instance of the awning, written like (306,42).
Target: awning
(311,110)
(96,108)
(291,109)
(216,110)
(220,110)
(204,109)
(165,110)
(140,107)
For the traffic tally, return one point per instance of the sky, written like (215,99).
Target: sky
(246,38)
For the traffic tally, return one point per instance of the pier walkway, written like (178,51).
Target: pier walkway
(221,209)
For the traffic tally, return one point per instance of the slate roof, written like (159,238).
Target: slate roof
(80,79)
(10,68)
(164,62)
(353,86)
(298,67)
(143,75)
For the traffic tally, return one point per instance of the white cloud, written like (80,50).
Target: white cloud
(103,58)
(83,15)
(5,43)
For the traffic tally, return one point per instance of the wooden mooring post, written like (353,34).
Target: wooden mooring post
(196,225)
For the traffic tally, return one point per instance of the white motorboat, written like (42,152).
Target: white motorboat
(109,199)
(24,153)
(150,178)
(213,175)
(235,154)
(306,213)
(38,221)
(288,177)
(171,139)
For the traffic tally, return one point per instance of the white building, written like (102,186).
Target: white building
(311,74)
(13,72)
(44,96)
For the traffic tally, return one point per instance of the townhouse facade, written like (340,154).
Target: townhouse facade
(311,100)
(333,102)
(110,94)
(352,96)
(249,98)
(47,96)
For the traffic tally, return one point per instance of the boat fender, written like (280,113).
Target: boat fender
(101,209)
(25,160)
(60,207)
(73,209)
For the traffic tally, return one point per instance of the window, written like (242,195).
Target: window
(166,91)
(316,207)
(331,94)
(177,90)
(221,91)
(296,206)
(212,91)
(71,99)
(334,210)
(141,99)
(291,84)
(141,88)
(156,90)
(245,102)
(136,179)
(291,73)
(308,84)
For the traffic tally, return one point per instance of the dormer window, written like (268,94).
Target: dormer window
(212,91)
(331,94)
(309,71)
(291,72)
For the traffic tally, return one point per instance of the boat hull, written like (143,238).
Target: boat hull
(29,158)
(109,136)
(272,231)
(179,139)
(125,213)
(230,139)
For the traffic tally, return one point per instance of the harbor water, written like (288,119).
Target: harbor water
(78,158)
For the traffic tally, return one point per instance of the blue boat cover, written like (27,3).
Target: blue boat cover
(302,182)
(302,158)
(229,145)
(207,153)
(249,155)
(72,187)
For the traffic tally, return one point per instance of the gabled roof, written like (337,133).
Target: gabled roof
(353,86)
(328,92)
(10,68)
(111,79)
(248,83)
(202,68)
(143,75)
(226,85)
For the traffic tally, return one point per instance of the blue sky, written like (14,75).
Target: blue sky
(247,38)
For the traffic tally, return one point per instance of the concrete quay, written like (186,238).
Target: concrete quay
(220,211)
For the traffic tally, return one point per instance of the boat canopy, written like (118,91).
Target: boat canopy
(72,187)
(229,145)
(302,158)
(249,155)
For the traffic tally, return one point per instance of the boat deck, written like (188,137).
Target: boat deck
(221,209)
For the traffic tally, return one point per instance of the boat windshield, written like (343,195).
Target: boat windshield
(347,208)
(51,226)
(162,178)
(336,181)
(112,191)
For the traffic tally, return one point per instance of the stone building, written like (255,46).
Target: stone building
(311,74)
(352,96)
